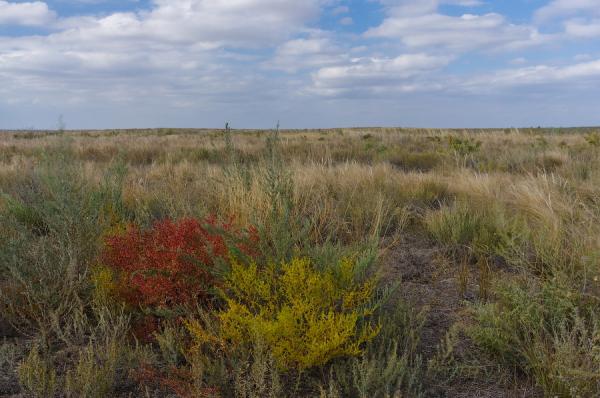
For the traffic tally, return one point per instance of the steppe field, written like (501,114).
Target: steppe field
(360,263)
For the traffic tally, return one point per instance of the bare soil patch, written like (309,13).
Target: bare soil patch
(430,282)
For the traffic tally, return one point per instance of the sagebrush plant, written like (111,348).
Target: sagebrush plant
(257,375)
(389,367)
(306,317)
(174,263)
(95,372)
(548,330)
(54,222)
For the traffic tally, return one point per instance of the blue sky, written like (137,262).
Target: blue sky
(309,63)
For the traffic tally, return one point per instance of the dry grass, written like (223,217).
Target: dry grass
(518,220)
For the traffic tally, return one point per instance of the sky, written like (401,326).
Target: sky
(305,63)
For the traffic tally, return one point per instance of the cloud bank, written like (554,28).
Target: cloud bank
(204,61)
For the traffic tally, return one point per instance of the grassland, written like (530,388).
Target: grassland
(323,263)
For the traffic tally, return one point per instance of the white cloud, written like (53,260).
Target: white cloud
(583,57)
(518,61)
(583,29)
(178,48)
(233,22)
(228,54)
(377,74)
(307,53)
(28,13)
(245,23)
(366,77)
(541,75)
(419,24)
(565,8)
(419,7)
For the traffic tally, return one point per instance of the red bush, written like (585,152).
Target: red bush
(173,263)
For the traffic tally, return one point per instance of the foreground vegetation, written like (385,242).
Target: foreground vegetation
(329,263)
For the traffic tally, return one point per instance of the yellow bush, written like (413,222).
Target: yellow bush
(305,316)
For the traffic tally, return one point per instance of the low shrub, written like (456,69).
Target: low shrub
(306,317)
(52,227)
(173,263)
(415,161)
(256,375)
(464,149)
(390,365)
(545,329)
(95,372)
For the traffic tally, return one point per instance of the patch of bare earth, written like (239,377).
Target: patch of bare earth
(430,282)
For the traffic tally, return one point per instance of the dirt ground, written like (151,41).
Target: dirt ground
(430,282)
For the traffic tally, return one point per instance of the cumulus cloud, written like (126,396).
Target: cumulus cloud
(209,52)
(177,48)
(306,53)
(583,28)
(419,24)
(346,21)
(576,74)
(565,8)
(28,13)
(580,18)
(411,7)
(376,74)
(244,23)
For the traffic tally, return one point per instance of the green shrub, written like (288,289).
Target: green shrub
(545,329)
(95,372)
(464,149)
(415,161)
(55,233)
(171,343)
(390,365)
